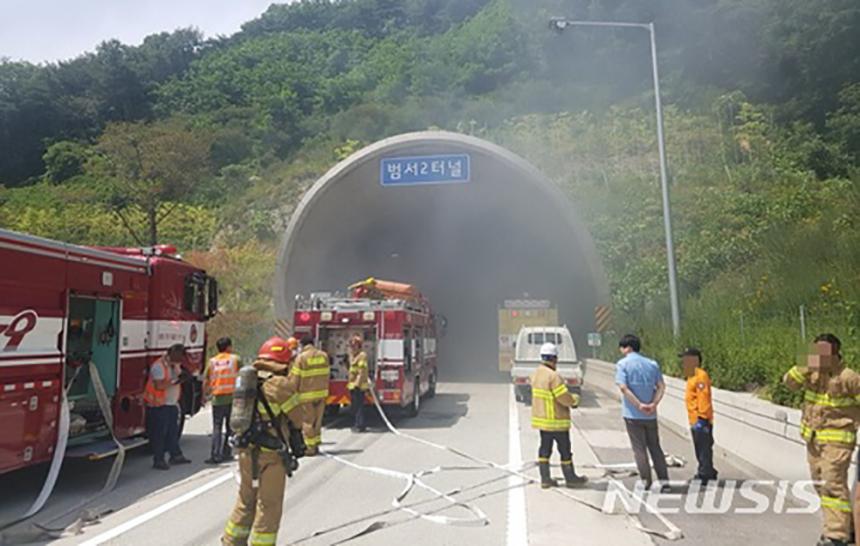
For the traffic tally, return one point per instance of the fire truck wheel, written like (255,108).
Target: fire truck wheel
(415,406)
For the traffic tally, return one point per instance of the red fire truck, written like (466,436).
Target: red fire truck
(63,306)
(399,332)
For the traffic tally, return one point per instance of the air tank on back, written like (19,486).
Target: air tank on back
(244,398)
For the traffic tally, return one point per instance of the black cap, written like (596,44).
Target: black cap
(691,351)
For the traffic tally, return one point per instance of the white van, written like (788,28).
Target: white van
(527,359)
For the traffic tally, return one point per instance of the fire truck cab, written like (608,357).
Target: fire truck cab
(63,306)
(399,338)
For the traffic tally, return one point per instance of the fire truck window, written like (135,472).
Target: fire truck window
(194,297)
(212,299)
(407,350)
(419,355)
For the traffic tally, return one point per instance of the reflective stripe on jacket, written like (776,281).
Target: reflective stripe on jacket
(551,400)
(312,372)
(831,409)
(152,395)
(358,374)
(222,373)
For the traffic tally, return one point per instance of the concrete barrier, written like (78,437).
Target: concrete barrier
(761,437)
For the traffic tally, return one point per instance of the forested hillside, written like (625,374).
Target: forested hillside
(209,144)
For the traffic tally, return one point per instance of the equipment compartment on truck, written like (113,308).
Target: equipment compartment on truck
(334,340)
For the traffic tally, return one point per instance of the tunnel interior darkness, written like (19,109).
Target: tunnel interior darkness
(466,246)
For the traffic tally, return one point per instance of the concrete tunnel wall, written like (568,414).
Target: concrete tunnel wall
(466,246)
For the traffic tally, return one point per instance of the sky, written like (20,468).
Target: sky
(53,30)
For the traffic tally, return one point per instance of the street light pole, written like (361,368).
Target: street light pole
(664,189)
(559,24)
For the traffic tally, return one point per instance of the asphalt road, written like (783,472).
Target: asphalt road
(347,497)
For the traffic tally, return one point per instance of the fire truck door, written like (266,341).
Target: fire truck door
(92,334)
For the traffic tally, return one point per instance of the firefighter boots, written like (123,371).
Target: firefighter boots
(546,480)
(257,514)
(831,542)
(571,479)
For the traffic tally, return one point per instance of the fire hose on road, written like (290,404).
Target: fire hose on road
(478,518)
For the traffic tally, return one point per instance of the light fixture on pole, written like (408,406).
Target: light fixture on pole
(560,24)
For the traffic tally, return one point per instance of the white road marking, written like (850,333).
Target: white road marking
(517,520)
(143,518)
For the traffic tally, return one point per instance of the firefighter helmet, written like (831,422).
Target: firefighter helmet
(277,349)
(292,343)
(548,350)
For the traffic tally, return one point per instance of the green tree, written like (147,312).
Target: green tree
(152,168)
(844,124)
(65,159)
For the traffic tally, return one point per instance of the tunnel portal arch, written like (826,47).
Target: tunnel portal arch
(468,246)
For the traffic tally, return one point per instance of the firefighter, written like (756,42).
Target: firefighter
(312,370)
(358,383)
(219,382)
(267,420)
(829,426)
(551,403)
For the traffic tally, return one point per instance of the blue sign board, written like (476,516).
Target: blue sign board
(425,169)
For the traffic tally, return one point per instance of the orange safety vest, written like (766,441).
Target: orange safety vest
(153,396)
(223,371)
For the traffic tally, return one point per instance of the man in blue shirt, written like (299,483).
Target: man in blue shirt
(642,388)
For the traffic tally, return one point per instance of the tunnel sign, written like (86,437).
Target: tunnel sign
(426,169)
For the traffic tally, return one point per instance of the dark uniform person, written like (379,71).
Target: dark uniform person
(829,426)
(551,403)
(265,461)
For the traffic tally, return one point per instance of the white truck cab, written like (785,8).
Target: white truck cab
(527,359)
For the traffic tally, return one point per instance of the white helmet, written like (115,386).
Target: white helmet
(548,350)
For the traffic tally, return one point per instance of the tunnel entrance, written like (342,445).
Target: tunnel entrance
(468,246)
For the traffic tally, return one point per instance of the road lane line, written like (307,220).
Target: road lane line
(517,520)
(143,518)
